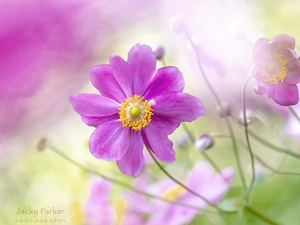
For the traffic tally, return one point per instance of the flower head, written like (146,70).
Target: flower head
(137,106)
(277,69)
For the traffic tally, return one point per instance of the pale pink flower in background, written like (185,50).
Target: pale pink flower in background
(98,209)
(202,180)
(276,71)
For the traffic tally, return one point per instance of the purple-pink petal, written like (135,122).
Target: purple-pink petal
(98,209)
(178,107)
(165,124)
(286,95)
(166,79)
(260,86)
(132,162)
(261,47)
(157,141)
(94,105)
(103,79)
(110,141)
(122,73)
(96,120)
(142,63)
(284,41)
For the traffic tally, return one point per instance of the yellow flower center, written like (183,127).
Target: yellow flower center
(273,69)
(135,113)
(173,193)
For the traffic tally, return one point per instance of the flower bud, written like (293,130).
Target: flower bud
(204,142)
(41,144)
(177,24)
(223,110)
(158,51)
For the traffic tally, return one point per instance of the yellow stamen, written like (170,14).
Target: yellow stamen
(135,113)
(173,193)
(273,69)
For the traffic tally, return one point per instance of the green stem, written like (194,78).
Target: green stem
(214,165)
(258,158)
(185,187)
(236,153)
(115,181)
(274,170)
(294,113)
(245,125)
(260,216)
(273,147)
(228,124)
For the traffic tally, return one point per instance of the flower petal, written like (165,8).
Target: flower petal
(261,47)
(165,124)
(94,105)
(132,162)
(157,141)
(103,79)
(260,86)
(142,63)
(110,141)
(178,107)
(96,120)
(166,79)
(293,77)
(286,95)
(284,41)
(122,73)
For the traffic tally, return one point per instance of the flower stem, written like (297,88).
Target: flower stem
(274,170)
(273,147)
(210,160)
(245,125)
(236,153)
(258,158)
(184,186)
(260,216)
(294,113)
(115,181)
(228,123)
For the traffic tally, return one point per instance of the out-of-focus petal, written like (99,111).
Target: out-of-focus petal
(260,86)
(261,47)
(286,95)
(284,41)
(166,79)
(110,141)
(98,209)
(93,105)
(178,107)
(157,141)
(142,63)
(103,79)
(132,162)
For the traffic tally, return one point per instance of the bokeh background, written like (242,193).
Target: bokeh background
(46,50)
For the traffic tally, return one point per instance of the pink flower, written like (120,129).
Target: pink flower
(103,209)
(98,209)
(277,69)
(137,106)
(201,180)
